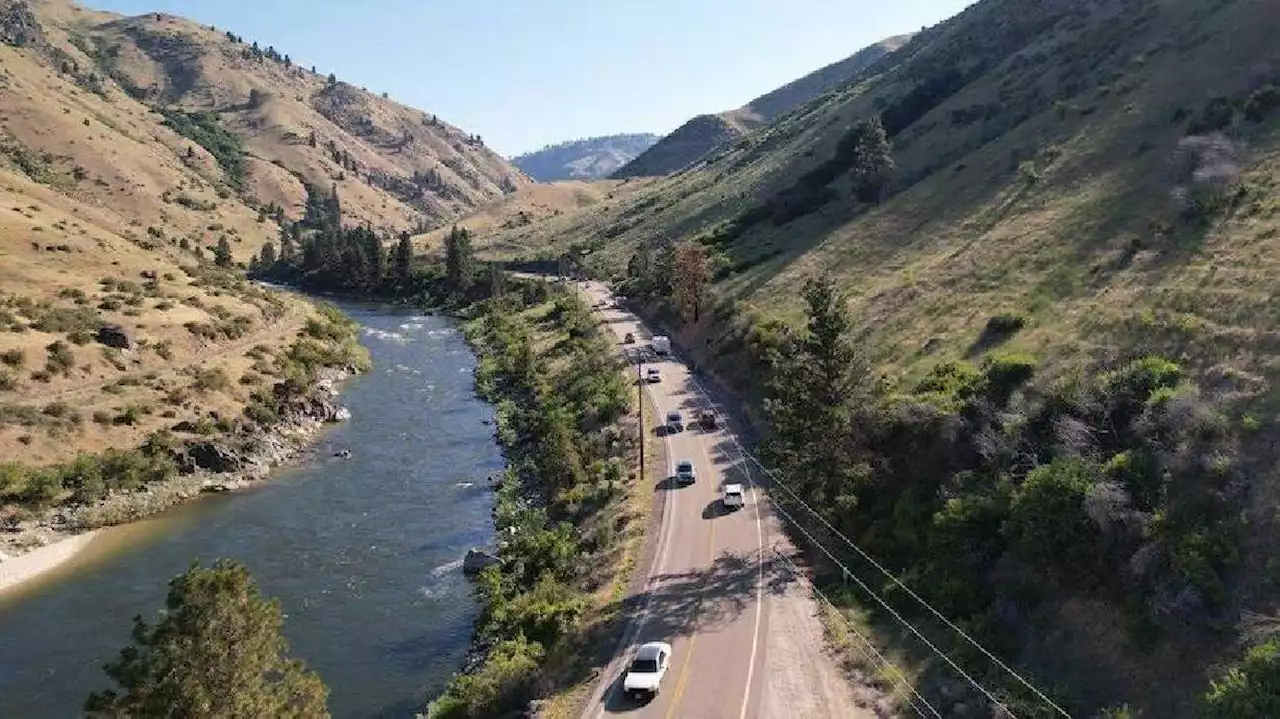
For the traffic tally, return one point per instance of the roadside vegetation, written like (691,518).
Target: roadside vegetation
(561,398)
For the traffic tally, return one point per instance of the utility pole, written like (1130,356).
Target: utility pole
(640,409)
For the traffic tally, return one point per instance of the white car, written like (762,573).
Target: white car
(649,665)
(652,375)
(733,496)
(684,472)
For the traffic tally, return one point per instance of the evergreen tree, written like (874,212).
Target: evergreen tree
(376,258)
(311,139)
(818,378)
(288,248)
(333,79)
(459,260)
(216,651)
(256,98)
(222,253)
(872,163)
(404,261)
(497,280)
(267,257)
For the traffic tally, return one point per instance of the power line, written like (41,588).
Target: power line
(898,582)
(880,600)
(870,650)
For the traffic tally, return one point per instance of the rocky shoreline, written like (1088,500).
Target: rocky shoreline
(229,463)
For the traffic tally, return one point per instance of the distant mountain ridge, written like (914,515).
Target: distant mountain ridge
(703,133)
(593,158)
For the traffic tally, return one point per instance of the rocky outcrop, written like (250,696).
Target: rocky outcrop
(476,560)
(18,25)
(113,335)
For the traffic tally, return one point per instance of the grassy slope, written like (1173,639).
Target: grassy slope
(970,234)
(704,133)
(530,204)
(1059,205)
(95,186)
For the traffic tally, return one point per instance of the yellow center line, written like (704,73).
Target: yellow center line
(693,638)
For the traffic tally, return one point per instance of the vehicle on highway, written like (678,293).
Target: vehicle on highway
(708,419)
(675,422)
(684,472)
(629,338)
(652,375)
(661,345)
(733,496)
(644,676)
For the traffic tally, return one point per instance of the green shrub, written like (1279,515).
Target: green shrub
(60,358)
(82,337)
(210,379)
(501,685)
(207,131)
(59,320)
(129,416)
(7,381)
(1249,689)
(13,357)
(1047,523)
(1261,102)
(1003,374)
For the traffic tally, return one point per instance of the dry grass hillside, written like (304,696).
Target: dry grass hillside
(702,134)
(1096,181)
(131,147)
(1052,181)
(527,206)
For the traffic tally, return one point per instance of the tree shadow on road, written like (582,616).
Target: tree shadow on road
(680,604)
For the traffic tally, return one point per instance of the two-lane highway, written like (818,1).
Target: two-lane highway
(746,640)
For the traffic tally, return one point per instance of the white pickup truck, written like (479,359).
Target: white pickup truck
(734,497)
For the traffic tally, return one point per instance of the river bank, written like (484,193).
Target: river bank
(569,508)
(42,543)
(363,552)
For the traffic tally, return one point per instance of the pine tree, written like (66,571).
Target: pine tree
(222,253)
(268,256)
(459,260)
(288,249)
(404,261)
(216,651)
(872,163)
(256,98)
(376,257)
(818,379)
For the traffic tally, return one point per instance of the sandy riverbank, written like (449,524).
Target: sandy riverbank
(15,570)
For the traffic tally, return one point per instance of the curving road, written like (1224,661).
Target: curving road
(745,635)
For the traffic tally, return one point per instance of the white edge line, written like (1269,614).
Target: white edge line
(755,502)
(599,697)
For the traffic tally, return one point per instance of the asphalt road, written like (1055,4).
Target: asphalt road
(745,636)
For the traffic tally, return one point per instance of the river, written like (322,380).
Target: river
(363,553)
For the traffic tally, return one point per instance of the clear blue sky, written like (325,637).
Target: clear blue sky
(526,73)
